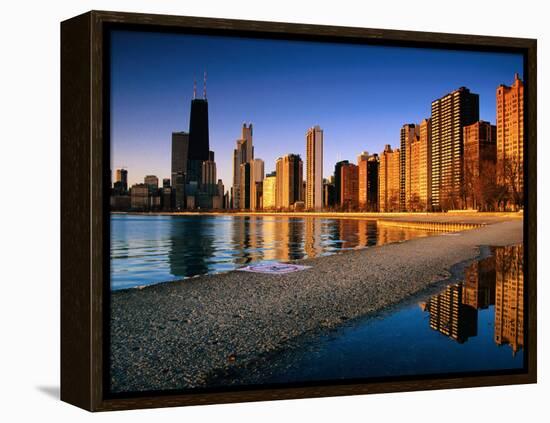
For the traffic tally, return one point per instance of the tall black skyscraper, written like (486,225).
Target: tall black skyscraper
(199,144)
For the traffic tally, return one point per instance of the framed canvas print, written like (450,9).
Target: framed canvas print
(257,210)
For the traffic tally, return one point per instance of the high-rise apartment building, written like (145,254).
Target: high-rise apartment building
(480,153)
(289,183)
(409,134)
(368,181)
(362,163)
(425,164)
(337,182)
(373,170)
(450,114)
(510,134)
(269,191)
(416,143)
(243,153)
(314,168)
(349,186)
(389,180)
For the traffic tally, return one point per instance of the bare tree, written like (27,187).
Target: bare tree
(510,176)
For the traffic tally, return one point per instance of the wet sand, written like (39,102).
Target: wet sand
(180,335)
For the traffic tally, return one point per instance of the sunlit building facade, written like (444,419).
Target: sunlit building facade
(314,169)
(349,186)
(450,114)
(509,297)
(289,185)
(243,153)
(388,180)
(510,134)
(408,136)
(269,191)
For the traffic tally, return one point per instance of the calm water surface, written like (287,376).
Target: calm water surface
(472,325)
(152,249)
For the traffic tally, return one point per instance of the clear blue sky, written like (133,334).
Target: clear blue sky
(360,95)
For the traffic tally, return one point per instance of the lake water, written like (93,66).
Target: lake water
(153,249)
(476,324)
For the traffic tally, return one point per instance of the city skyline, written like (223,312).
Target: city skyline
(362,107)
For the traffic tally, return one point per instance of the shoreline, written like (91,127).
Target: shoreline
(178,335)
(465,216)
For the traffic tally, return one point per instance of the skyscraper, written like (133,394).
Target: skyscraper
(349,186)
(244,189)
(243,153)
(480,153)
(362,163)
(314,168)
(121,182)
(408,135)
(373,170)
(450,114)
(256,183)
(289,183)
(388,180)
(180,149)
(208,177)
(337,182)
(425,164)
(199,143)
(510,137)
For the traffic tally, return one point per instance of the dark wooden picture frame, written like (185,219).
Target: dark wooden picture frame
(84,199)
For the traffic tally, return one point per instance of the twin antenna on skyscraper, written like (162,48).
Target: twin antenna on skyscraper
(195,87)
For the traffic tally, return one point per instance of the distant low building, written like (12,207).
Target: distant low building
(120,202)
(139,194)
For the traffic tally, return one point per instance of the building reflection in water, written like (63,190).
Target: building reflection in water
(450,316)
(191,247)
(509,297)
(497,282)
(313,237)
(198,245)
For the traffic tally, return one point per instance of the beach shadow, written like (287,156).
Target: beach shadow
(50,391)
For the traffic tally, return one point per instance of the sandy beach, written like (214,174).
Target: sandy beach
(180,335)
